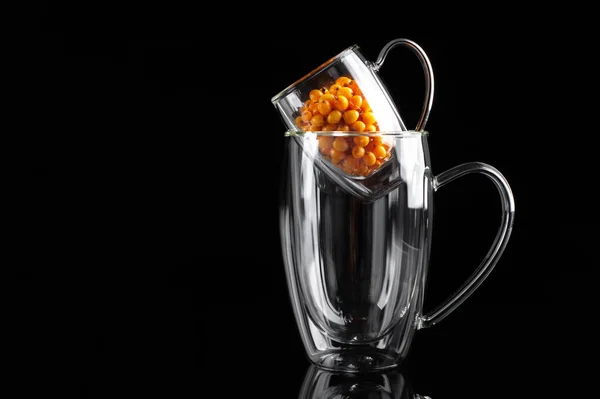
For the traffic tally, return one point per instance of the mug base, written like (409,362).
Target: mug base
(352,362)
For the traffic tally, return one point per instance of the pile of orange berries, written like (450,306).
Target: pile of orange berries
(342,107)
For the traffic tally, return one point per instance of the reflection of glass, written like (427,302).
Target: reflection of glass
(322,384)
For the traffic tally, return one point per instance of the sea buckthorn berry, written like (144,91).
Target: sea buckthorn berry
(354,86)
(337,156)
(341,103)
(377,140)
(328,97)
(315,95)
(346,92)
(325,142)
(347,167)
(299,121)
(379,152)
(363,169)
(334,117)
(317,120)
(351,116)
(368,118)
(329,128)
(307,116)
(355,102)
(314,108)
(343,128)
(343,81)
(324,107)
(366,107)
(341,144)
(370,128)
(361,141)
(334,89)
(369,159)
(350,164)
(358,126)
(358,152)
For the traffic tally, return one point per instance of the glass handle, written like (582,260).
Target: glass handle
(429,82)
(490,260)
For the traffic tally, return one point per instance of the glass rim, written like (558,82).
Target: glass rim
(282,94)
(336,133)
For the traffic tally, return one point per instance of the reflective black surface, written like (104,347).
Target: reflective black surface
(330,385)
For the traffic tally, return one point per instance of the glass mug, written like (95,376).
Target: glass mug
(322,384)
(356,251)
(362,78)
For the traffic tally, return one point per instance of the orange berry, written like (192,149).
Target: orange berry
(369,159)
(355,102)
(379,152)
(324,107)
(368,118)
(377,140)
(354,86)
(366,107)
(337,156)
(358,152)
(358,126)
(341,103)
(329,128)
(370,128)
(343,81)
(346,92)
(328,97)
(334,89)
(315,95)
(363,169)
(361,141)
(325,142)
(340,144)
(317,120)
(350,164)
(343,128)
(314,108)
(307,116)
(334,117)
(351,116)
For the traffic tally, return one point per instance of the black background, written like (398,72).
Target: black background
(149,206)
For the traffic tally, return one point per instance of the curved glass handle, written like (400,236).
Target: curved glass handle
(490,260)
(429,82)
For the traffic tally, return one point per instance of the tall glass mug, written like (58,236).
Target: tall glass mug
(356,216)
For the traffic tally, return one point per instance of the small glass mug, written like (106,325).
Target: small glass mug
(356,250)
(361,79)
